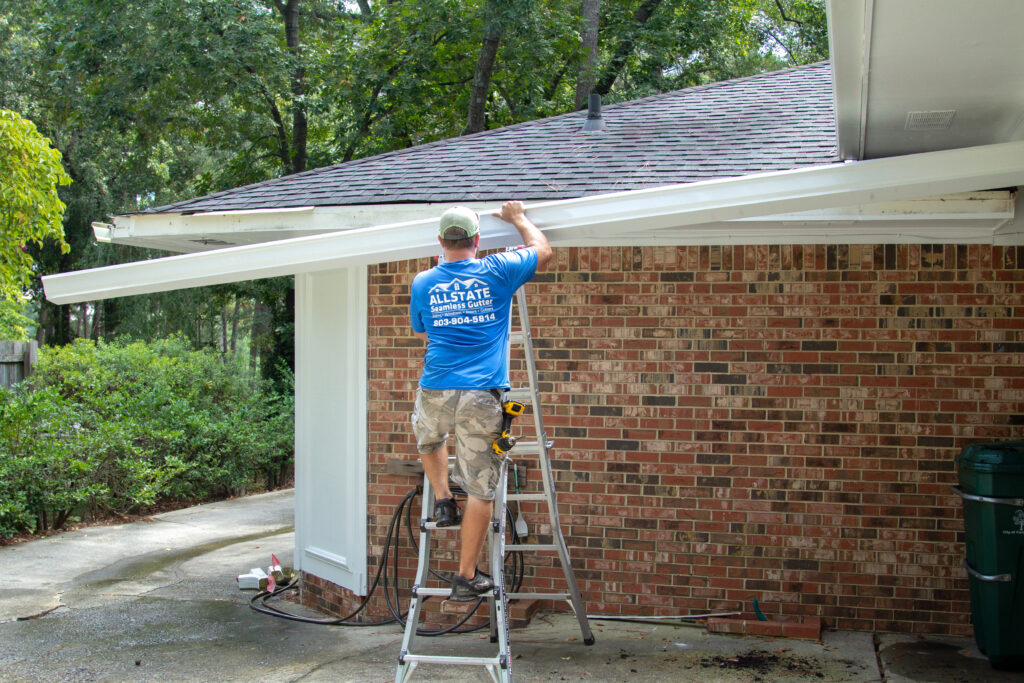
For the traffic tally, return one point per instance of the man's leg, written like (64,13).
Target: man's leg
(477,423)
(476,518)
(435,465)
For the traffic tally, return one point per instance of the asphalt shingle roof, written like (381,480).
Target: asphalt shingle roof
(768,122)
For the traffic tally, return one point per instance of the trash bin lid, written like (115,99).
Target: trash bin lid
(1005,457)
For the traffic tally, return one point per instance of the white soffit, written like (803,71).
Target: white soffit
(922,75)
(600,219)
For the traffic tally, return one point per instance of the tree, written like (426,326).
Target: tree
(204,96)
(30,208)
(591,15)
(153,101)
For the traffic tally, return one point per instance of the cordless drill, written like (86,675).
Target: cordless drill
(509,410)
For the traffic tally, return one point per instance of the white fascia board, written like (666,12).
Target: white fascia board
(878,180)
(992,206)
(166,230)
(592,219)
(751,233)
(849,43)
(961,218)
(247,227)
(1011,232)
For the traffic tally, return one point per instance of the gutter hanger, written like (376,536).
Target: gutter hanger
(596,218)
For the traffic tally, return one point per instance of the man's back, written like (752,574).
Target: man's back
(463,307)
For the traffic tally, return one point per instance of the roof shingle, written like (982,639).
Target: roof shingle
(768,122)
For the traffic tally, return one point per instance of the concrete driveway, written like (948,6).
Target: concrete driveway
(157,601)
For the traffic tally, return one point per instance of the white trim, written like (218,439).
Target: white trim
(181,232)
(330,558)
(975,213)
(995,206)
(849,41)
(249,213)
(331,328)
(595,220)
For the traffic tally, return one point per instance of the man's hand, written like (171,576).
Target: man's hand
(420,335)
(514,213)
(511,212)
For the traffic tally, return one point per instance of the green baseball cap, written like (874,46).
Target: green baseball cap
(458,223)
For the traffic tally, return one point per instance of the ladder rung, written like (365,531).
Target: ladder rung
(434,527)
(530,447)
(526,496)
(538,596)
(516,337)
(420,592)
(451,659)
(521,394)
(529,547)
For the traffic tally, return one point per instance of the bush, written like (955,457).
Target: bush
(42,480)
(110,427)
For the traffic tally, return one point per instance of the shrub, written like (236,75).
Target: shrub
(44,478)
(116,426)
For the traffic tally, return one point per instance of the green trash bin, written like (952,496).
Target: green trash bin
(992,488)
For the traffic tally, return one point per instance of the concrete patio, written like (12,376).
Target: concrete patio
(157,601)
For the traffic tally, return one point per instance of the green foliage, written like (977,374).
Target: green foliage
(14,324)
(111,427)
(153,101)
(30,210)
(42,479)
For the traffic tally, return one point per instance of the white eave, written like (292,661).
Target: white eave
(705,212)
(194,232)
(922,75)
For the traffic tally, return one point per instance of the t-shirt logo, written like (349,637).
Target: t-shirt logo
(458,296)
(457,284)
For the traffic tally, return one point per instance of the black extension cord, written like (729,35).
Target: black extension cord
(392,591)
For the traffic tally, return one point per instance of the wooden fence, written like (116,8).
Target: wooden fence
(16,361)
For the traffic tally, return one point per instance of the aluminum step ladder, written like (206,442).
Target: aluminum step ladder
(498,665)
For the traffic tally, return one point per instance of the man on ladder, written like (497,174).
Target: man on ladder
(461,308)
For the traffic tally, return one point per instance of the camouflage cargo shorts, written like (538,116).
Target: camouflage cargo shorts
(475,417)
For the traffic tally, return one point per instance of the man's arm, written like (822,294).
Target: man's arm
(420,335)
(513,212)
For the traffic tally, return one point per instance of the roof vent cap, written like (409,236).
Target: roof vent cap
(594,122)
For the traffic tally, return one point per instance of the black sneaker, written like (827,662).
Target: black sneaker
(446,512)
(464,590)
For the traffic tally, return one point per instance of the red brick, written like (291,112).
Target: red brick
(718,495)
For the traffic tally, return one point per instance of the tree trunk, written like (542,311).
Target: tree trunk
(482,78)
(591,12)
(260,326)
(234,328)
(224,330)
(625,48)
(290,13)
(59,330)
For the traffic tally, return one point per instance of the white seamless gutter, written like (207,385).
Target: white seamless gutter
(591,219)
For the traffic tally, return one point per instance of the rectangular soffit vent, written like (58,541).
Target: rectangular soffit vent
(929,120)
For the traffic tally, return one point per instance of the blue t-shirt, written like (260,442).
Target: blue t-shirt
(464,307)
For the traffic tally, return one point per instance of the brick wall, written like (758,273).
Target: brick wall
(737,422)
